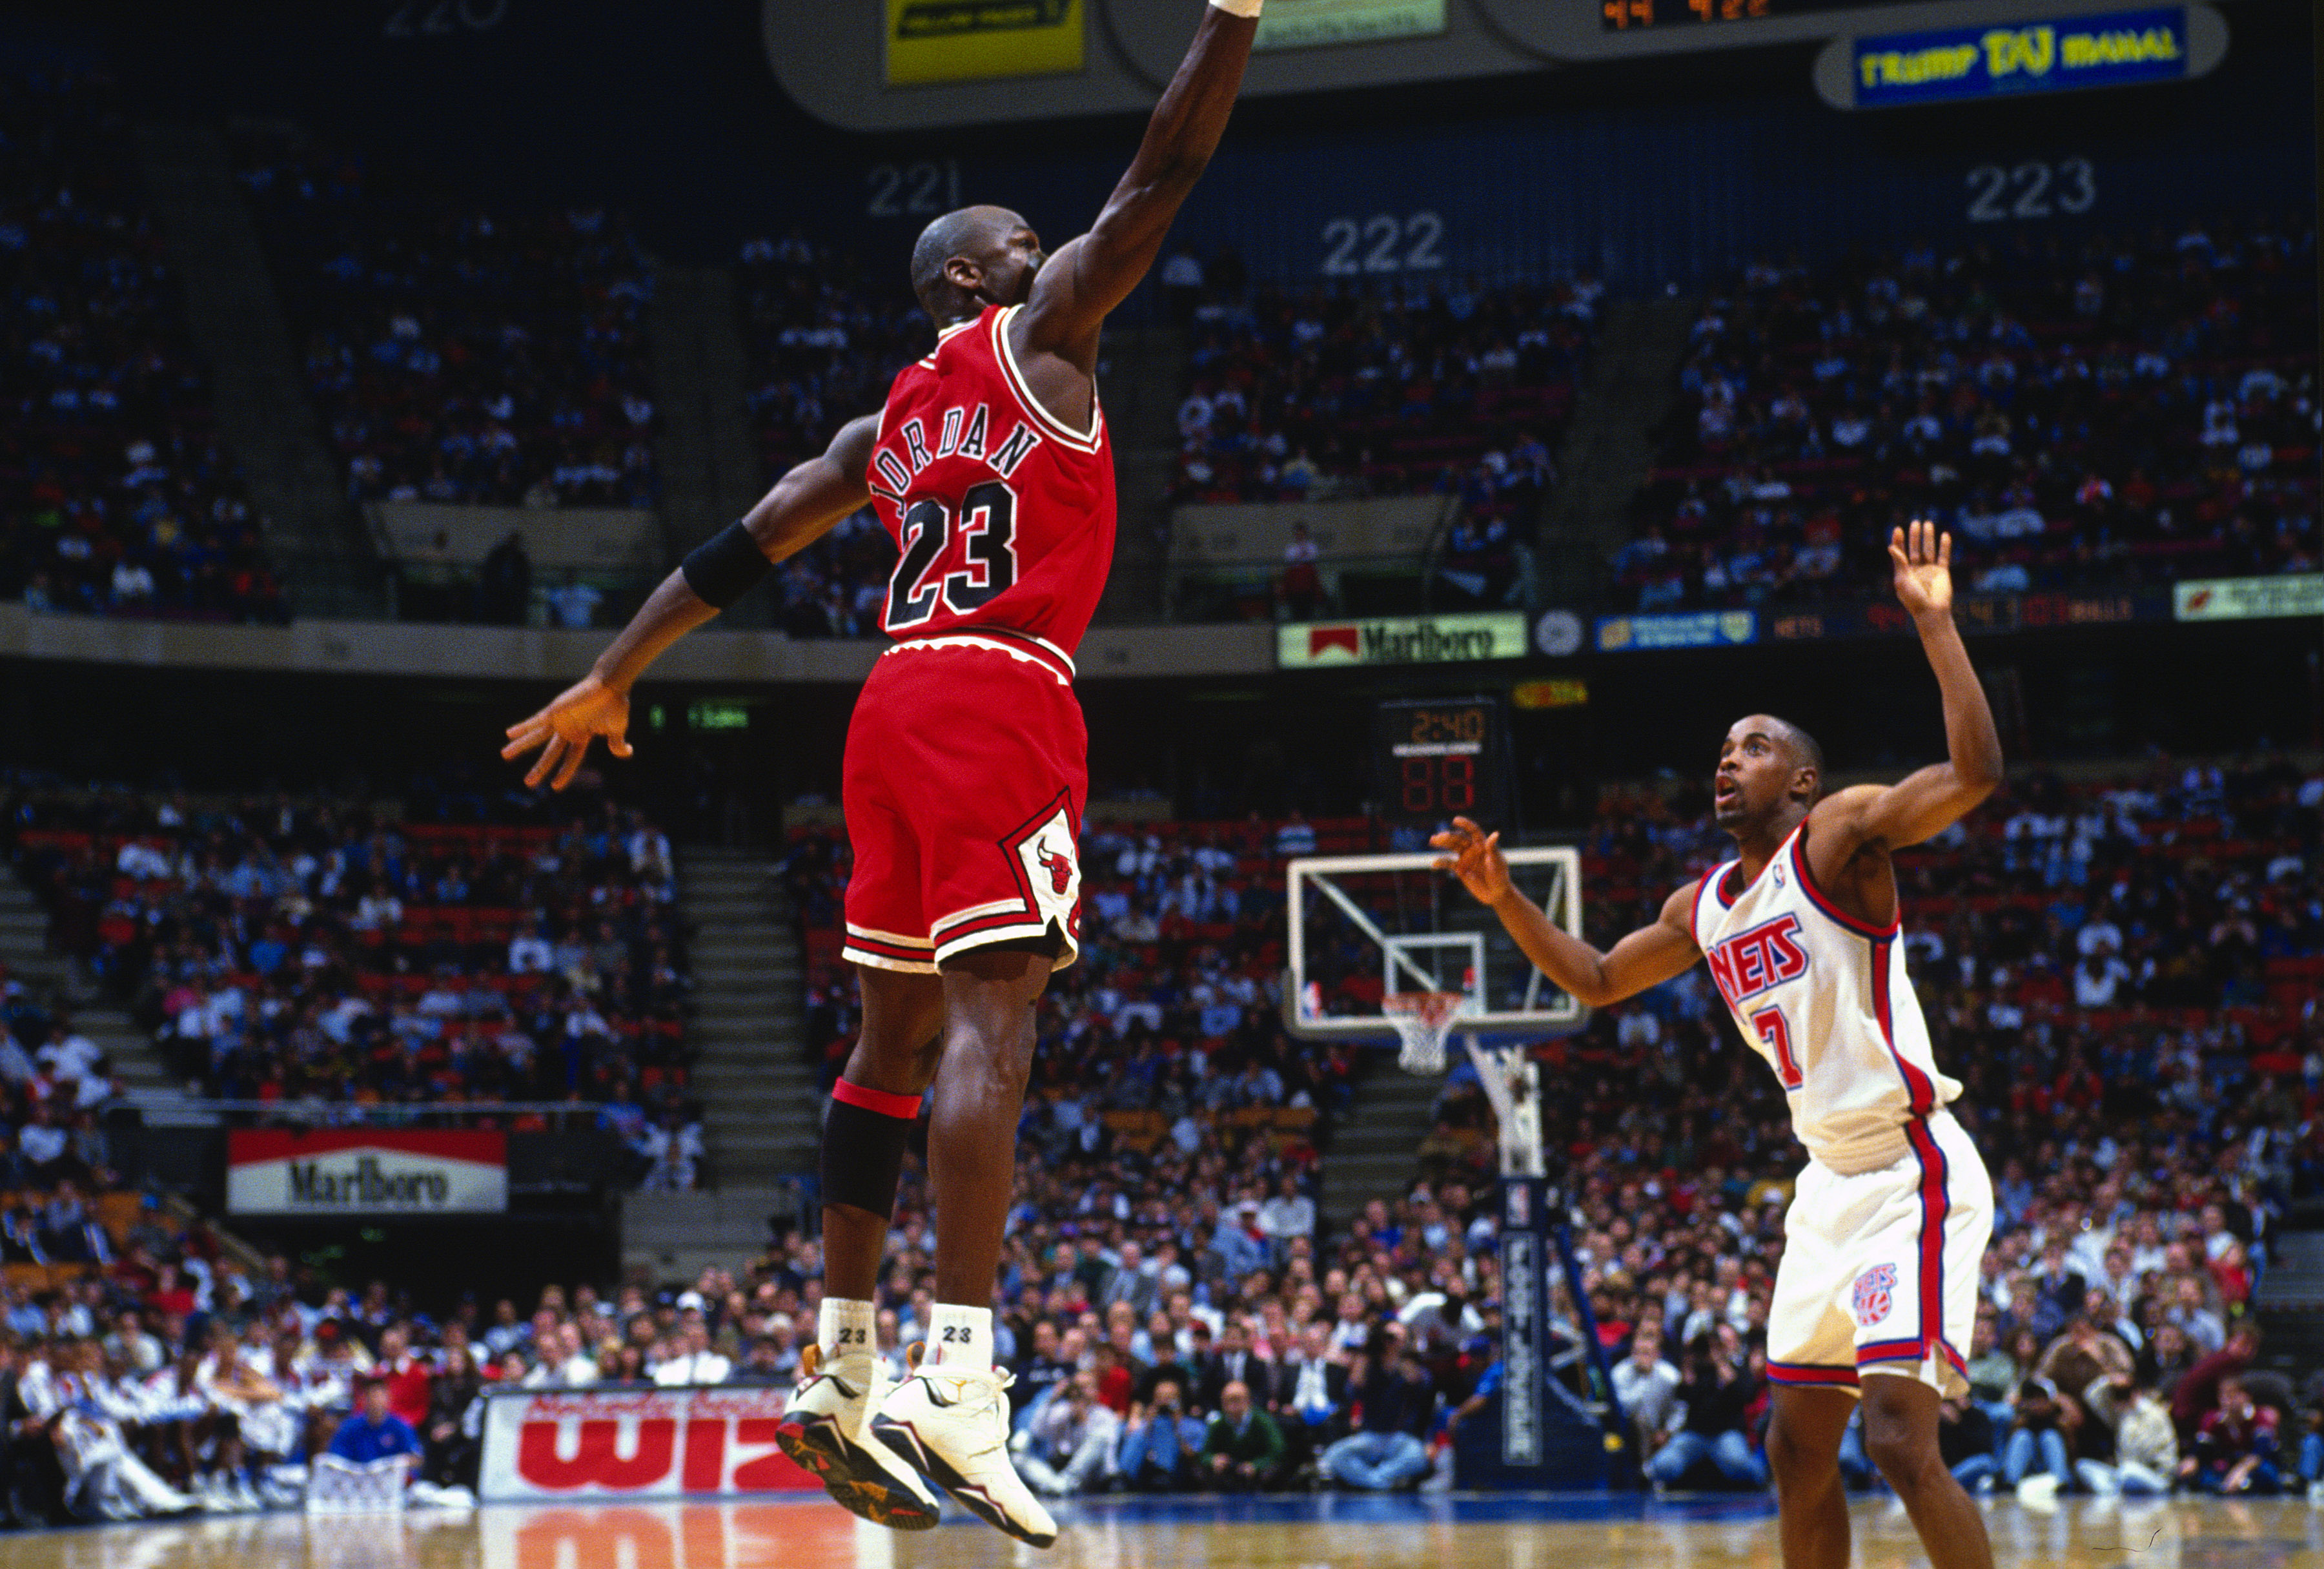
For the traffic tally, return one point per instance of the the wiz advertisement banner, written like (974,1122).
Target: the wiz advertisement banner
(635,1443)
(968,40)
(364,1171)
(1297,23)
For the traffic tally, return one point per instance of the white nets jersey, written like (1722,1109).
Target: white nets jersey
(1823,997)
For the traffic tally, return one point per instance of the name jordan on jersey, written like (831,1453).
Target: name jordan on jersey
(963,433)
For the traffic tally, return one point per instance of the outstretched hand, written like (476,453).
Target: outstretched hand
(563,730)
(1476,859)
(1924,568)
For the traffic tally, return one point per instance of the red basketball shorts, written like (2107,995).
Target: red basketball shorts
(966,772)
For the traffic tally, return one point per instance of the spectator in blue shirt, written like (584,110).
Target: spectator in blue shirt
(373,1432)
(267,954)
(1159,1446)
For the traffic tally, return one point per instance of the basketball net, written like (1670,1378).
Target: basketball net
(1423,1022)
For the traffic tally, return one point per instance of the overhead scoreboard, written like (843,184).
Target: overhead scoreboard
(1641,15)
(1885,53)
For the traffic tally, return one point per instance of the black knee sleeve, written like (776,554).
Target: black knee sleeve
(863,1156)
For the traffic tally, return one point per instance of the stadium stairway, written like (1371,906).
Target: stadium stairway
(23,948)
(2291,1295)
(1374,1145)
(314,535)
(1141,378)
(761,1116)
(707,452)
(1609,447)
(675,1236)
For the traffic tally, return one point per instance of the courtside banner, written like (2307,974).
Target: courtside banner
(364,1171)
(970,40)
(635,1443)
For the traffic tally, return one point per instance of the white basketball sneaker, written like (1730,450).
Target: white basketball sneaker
(953,1425)
(824,1431)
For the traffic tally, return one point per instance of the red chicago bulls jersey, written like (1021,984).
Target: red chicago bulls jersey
(1004,514)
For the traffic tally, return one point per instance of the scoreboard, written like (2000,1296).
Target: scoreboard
(1437,758)
(1625,16)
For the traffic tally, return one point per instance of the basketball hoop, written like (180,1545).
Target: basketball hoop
(1423,1022)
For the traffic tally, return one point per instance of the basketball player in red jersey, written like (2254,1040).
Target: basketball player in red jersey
(964,780)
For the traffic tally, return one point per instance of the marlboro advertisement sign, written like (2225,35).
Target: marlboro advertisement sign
(364,1171)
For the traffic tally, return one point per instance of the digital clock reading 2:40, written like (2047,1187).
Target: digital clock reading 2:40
(1436,759)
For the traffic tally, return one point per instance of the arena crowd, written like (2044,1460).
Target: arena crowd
(324,960)
(2103,413)
(455,354)
(2121,968)
(2123,971)
(116,495)
(1440,384)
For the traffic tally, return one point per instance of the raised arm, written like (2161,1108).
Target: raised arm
(1644,959)
(805,505)
(1089,276)
(1924,804)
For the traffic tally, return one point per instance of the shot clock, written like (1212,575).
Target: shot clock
(1437,758)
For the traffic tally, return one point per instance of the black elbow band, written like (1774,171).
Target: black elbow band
(725,567)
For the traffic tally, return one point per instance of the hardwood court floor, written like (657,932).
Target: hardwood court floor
(1467,1532)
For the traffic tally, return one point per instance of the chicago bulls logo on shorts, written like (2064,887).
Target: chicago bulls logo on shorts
(1052,877)
(1060,868)
(1876,1292)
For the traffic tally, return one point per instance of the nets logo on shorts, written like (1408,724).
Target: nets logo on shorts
(1876,1292)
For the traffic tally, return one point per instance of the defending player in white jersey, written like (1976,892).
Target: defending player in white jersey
(1884,1236)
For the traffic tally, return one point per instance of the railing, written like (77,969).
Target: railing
(1227,560)
(540,1116)
(1244,591)
(440,593)
(334,586)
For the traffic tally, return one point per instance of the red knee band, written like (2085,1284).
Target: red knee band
(906,1107)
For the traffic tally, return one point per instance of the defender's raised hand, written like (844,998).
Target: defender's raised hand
(1924,568)
(1476,859)
(563,730)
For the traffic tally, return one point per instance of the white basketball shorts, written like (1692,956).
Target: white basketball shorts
(1880,1273)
